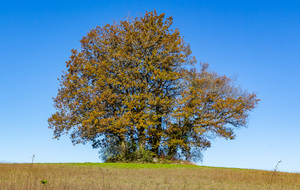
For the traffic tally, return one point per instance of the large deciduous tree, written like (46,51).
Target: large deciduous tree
(134,89)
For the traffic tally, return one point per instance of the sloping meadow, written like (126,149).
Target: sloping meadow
(139,176)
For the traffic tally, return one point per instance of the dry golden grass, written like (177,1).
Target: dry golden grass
(138,176)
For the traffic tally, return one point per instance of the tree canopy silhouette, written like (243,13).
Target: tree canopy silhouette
(133,90)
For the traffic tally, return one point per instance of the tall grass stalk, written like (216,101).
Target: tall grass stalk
(274,173)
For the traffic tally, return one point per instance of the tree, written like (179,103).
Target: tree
(133,90)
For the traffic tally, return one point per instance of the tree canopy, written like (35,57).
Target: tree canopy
(134,90)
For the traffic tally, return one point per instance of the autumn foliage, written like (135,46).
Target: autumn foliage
(134,91)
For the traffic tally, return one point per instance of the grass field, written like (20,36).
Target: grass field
(73,176)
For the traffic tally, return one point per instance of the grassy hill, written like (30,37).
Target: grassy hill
(96,176)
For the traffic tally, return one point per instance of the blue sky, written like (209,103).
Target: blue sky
(257,41)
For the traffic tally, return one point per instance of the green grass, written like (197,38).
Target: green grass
(142,166)
(133,165)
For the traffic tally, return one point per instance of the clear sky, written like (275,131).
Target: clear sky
(257,41)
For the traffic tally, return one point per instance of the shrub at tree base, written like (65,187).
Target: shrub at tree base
(134,91)
(124,154)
